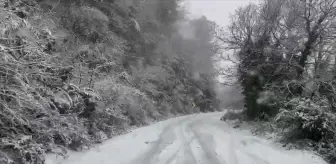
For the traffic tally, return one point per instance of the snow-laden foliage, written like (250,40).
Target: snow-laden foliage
(307,119)
(232,115)
(284,57)
(75,73)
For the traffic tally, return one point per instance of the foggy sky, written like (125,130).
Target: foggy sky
(215,10)
(219,11)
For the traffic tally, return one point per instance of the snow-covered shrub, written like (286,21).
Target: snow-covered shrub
(108,121)
(307,119)
(87,22)
(132,102)
(88,47)
(232,115)
(23,150)
(38,112)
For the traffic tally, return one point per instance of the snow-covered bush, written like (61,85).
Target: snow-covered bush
(130,101)
(232,115)
(307,119)
(87,22)
(66,80)
(39,111)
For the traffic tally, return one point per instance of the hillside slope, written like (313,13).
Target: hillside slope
(74,73)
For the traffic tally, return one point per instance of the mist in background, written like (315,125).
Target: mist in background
(218,11)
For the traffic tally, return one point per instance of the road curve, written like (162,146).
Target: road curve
(195,139)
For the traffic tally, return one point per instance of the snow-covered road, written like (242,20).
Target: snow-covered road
(194,139)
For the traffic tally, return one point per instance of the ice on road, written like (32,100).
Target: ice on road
(194,139)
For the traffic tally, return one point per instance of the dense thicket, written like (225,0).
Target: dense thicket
(286,66)
(76,72)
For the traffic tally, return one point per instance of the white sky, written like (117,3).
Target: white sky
(215,10)
(218,11)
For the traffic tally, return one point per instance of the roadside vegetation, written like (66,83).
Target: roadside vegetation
(285,64)
(74,73)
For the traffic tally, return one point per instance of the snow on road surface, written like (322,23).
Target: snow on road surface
(194,139)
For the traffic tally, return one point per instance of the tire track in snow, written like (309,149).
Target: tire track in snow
(206,144)
(166,138)
(187,150)
(196,139)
